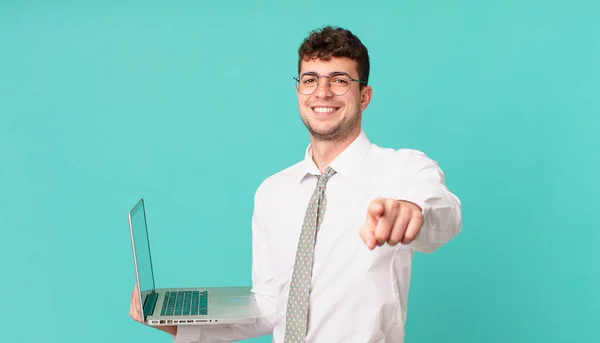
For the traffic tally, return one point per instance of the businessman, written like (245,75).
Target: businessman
(333,236)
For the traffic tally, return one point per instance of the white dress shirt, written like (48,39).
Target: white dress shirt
(357,295)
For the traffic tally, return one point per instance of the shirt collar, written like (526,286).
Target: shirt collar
(345,163)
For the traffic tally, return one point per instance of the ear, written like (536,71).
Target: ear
(365,97)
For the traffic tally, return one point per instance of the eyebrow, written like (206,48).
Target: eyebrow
(332,73)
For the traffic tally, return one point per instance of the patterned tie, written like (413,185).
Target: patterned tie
(297,306)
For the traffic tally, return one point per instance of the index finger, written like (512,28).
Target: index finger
(387,220)
(374,212)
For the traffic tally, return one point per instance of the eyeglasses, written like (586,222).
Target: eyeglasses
(339,83)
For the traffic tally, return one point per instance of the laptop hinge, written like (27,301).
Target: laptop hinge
(150,303)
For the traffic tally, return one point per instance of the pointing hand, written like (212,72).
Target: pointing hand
(391,221)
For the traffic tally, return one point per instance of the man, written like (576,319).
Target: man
(333,236)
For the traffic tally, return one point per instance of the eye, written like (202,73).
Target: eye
(340,80)
(308,80)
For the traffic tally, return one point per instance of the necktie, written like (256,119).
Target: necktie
(297,306)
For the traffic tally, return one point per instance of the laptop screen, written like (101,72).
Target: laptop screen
(141,244)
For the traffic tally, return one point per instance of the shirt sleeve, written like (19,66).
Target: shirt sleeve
(262,288)
(419,179)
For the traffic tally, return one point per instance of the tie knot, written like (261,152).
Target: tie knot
(328,172)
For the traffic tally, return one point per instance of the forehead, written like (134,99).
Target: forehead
(335,64)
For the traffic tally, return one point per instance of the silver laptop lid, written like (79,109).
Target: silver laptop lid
(140,244)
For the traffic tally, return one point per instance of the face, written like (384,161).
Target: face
(330,117)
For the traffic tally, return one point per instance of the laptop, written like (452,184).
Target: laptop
(183,306)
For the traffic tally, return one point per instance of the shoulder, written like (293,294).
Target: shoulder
(405,161)
(404,157)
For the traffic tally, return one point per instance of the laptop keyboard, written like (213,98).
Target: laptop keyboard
(185,303)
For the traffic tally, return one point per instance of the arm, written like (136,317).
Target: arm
(424,185)
(415,207)
(262,287)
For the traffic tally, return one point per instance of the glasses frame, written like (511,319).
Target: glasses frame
(297,78)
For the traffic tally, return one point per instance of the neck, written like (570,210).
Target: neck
(325,151)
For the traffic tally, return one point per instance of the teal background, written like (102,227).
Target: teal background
(191,105)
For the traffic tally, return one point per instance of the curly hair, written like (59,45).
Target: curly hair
(328,42)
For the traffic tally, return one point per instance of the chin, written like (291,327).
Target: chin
(332,132)
(326,126)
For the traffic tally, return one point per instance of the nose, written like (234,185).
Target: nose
(323,90)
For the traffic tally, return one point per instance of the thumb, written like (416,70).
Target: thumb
(375,210)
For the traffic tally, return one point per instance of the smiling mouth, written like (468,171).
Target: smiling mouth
(324,110)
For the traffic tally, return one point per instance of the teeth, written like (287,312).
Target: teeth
(324,109)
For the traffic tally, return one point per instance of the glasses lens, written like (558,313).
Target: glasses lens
(308,84)
(339,84)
